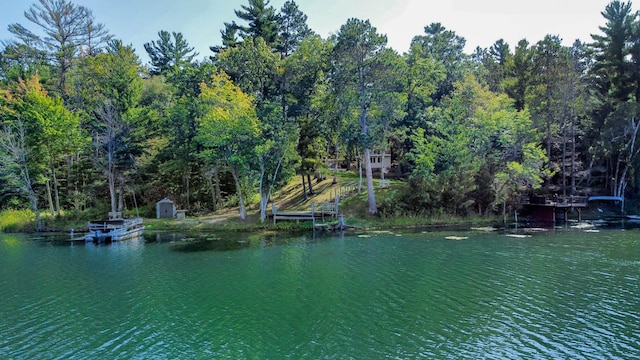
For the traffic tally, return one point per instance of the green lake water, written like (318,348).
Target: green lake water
(471,294)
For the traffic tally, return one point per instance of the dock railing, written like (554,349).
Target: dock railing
(555,200)
(344,191)
(294,215)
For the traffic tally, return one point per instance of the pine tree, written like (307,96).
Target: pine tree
(262,22)
(167,54)
(69,31)
(293,28)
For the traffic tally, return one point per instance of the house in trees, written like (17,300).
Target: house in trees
(380,160)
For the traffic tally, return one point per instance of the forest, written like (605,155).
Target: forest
(87,128)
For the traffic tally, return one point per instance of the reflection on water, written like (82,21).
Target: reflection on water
(551,294)
(227,241)
(187,242)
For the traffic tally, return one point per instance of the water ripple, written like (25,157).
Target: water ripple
(381,296)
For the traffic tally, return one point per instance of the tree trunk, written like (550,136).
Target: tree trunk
(209,176)
(120,197)
(187,184)
(52,208)
(373,208)
(33,199)
(335,170)
(216,177)
(34,204)
(549,145)
(263,197)
(73,184)
(236,179)
(111,177)
(108,113)
(573,154)
(504,213)
(56,191)
(26,178)
(364,130)
(13,141)
(623,169)
(309,183)
(360,176)
(112,193)
(49,196)
(564,160)
(304,187)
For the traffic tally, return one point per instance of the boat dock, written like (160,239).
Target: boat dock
(114,230)
(552,209)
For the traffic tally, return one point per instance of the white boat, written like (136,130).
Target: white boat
(114,230)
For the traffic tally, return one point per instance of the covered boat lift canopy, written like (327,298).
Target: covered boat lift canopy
(605,198)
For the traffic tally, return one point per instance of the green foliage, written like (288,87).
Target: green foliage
(517,85)
(19,61)
(54,127)
(229,130)
(169,55)
(422,156)
(253,66)
(526,174)
(364,74)
(293,28)
(66,28)
(470,137)
(422,74)
(614,52)
(112,76)
(304,75)
(474,137)
(37,133)
(262,22)
(230,122)
(446,48)
(107,89)
(304,84)
(16,220)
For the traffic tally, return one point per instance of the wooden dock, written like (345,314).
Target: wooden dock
(551,209)
(318,211)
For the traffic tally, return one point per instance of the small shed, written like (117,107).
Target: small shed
(165,209)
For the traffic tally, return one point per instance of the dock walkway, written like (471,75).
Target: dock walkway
(318,211)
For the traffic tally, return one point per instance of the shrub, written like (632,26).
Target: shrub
(16,220)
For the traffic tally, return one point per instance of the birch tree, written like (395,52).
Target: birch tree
(38,132)
(15,157)
(110,91)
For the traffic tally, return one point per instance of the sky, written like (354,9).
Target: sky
(480,22)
